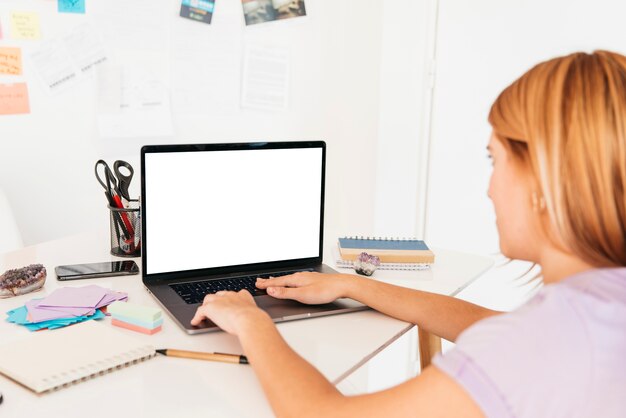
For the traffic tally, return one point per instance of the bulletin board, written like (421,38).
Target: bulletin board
(82,80)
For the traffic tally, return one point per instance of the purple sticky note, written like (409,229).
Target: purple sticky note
(111,297)
(38,314)
(86,297)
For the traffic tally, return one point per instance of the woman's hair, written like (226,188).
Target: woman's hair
(565,119)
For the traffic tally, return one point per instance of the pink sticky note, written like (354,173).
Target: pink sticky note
(136,328)
(14,99)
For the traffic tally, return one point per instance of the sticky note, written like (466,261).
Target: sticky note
(10,61)
(1,35)
(135,327)
(142,324)
(134,311)
(71,6)
(25,25)
(14,99)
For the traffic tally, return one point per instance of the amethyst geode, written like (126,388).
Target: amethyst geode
(20,281)
(366,264)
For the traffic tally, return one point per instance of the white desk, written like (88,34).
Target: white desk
(170,387)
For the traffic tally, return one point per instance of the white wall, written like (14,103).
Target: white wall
(408,43)
(47,157)
(482,46)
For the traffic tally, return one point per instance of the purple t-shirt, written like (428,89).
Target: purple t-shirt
(562,354)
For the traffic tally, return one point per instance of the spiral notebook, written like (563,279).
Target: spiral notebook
(389,250)
(349,264)
(51,360)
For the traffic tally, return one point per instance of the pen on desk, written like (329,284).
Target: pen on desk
(226,358)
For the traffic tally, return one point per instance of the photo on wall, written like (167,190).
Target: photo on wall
(200,10)
(261,11)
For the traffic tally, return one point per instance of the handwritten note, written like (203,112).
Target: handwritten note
(14,99)
(25,25)
(10,61)
(71,6)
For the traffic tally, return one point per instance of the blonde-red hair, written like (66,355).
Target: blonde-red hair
(566,120)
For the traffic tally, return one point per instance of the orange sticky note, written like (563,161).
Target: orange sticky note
(10,61)
(14,99)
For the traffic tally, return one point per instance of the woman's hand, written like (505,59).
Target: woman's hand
(308,287)
(230,311)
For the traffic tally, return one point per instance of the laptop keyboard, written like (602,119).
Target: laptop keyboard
(194,292)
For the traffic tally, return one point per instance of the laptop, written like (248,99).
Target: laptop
(217,216)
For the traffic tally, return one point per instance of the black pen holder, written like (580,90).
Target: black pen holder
(125,227)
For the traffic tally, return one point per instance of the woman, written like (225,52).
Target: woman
(559,191)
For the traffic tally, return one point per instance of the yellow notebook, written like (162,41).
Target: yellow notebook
(50,360)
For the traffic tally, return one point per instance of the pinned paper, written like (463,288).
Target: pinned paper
(10,61)
(266,78)
(62,60)
(200,10)
(85,47)
(25,25)
(143,108)
(71,6)
(260,11)
(14,99)
(53,64)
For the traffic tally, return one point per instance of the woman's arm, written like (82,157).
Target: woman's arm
(294,388)
(441,315)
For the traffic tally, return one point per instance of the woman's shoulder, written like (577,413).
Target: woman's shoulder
(568,336)
(573,310)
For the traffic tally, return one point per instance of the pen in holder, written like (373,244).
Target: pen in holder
(125,227)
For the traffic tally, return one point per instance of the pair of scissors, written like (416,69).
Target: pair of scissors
(115,182)
(116,185)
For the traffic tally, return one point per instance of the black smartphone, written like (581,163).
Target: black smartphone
(94,270)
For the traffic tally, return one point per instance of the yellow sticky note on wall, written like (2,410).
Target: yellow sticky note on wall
(10,61)
(14,99)
(25,25)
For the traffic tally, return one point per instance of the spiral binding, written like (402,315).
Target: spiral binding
(91,371)
(362,237)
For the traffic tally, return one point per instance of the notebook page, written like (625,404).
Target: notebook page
(52,359)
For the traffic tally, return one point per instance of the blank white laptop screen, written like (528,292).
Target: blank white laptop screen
(209,209)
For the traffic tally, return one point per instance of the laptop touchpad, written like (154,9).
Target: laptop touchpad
(279,308)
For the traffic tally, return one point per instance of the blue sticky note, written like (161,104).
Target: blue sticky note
(18,316)
(71,6)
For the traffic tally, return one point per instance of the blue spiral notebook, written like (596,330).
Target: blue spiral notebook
(389,250)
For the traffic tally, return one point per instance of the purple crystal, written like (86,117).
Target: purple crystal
(23,280)
(366,264)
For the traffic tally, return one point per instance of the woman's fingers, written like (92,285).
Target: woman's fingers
(302,278)
(284,292)
(199,316)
